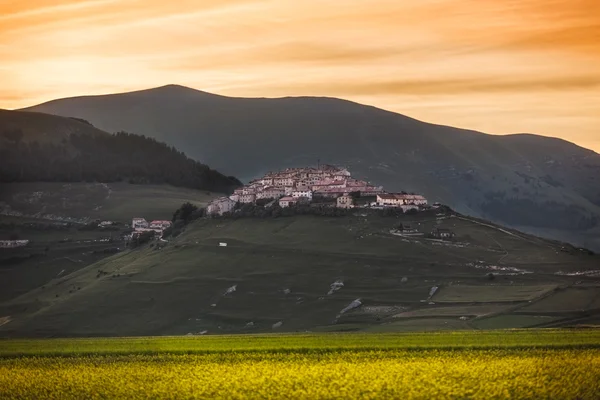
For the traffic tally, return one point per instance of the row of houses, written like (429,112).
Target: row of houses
(383,200)
(12,244)
(140,225)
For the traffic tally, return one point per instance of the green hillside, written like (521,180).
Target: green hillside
(302,273)
(54,217)
(541,185)
(82,202)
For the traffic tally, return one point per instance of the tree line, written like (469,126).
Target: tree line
(106,158)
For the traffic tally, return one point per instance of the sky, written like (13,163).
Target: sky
(498,66)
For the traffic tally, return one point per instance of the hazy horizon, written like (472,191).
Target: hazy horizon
(496,66)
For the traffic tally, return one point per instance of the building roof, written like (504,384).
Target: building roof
(288,198)
(400,196)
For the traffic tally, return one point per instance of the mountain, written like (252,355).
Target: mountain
(39,147)
(541,185)
(307,272)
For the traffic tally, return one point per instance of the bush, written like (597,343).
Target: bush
(141,239)
(184,212)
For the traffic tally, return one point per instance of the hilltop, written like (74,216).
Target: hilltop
(318,273)
(541,185)
(37,147)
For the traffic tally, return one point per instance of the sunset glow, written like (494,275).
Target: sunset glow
(499,66)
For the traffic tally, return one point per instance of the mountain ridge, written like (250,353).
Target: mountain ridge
(189,90)
(540,181)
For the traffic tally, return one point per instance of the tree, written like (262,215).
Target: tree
(141,239)
(184,212)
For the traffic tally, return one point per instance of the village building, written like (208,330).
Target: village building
(345,201)
(139,223)
(160,225)
(220,206)
(287,201)
(303,193)
(11,244)
(270,192)
(247,198)
(398,199)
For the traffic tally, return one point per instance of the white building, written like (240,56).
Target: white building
(160,224)
(220,206)
(10,244)
(139,223)
(345,201)
(287,201)
(397,200)
(303,193)
(247,198)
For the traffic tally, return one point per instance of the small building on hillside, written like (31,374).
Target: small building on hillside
(270,192)
(441,233)
(303,193)
(220,206)
(287,201)
(247,198)
(345,201)
(11,244)
(160,224)
(139,223)
(400,199)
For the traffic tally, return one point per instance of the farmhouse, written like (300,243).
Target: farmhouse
(11,244)
(139,223)
(400,199)
(160,225)
(345,201)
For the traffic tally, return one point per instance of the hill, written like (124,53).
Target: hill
(37,147)
(541,185)
(45,128)
(57,219)
(316,273)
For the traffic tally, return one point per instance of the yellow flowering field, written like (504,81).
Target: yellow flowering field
(352,368)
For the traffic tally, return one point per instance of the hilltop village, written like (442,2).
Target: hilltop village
(325,184)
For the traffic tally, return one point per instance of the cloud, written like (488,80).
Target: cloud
(439,87)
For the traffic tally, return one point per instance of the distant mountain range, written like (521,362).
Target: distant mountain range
(542,185)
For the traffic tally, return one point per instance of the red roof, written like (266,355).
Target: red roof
(287,199)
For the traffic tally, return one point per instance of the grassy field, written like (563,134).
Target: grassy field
(276,275)
(516,364)
(55,251)
(114,201)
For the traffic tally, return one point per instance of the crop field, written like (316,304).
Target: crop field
(517,364)
(459,294)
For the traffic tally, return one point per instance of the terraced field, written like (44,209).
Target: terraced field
(319,274)
(478,365)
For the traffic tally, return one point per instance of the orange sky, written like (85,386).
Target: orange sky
(500,66)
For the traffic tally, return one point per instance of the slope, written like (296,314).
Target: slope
(38,147)
(302,273)
(543,185)
(18,126)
